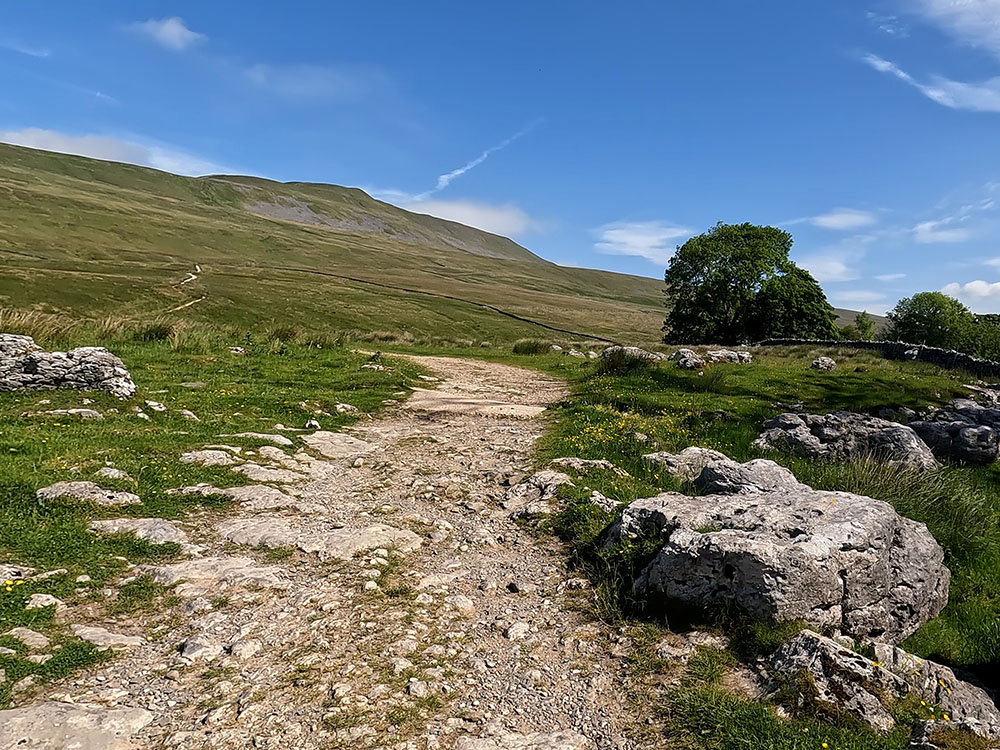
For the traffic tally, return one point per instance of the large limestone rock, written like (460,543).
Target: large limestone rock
(70,726)
(565,740)
(963,431)
(847,436)
(687,359)
(824,363)
(87,492)
(715,473)
(832,676)
(25,366)
(633,352)
(831,559)
(104,639)
(253,497)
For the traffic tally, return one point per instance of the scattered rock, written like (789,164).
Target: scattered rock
(70,726)
(81,413)
(728,355)
(823,363)
(87,492)
(586,464)
(155,530)
(110,472)
(30,638)
(533,495)
(207,575)
(351,410)
(840,679)
(104,639)
(831,559)
(208,457)
(565,740)
(266,437)
(25,366)
(687,359)
(846,435)
(40,601)
(156,406)
(517,631)
(715,473)
(189,415)
(200,648)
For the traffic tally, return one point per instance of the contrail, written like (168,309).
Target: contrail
(446,179)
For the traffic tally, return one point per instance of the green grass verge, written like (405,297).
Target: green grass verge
(275,381)
(621,416)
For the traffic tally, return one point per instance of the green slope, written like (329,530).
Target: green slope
(92,238)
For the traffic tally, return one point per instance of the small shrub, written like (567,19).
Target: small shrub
(531,346)
(620,362)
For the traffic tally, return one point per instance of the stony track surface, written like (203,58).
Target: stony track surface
(367,592)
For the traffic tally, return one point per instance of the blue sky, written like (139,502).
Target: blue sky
(596,134)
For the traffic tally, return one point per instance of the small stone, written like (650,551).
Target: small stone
(517,631)
(40,601)
(28,637)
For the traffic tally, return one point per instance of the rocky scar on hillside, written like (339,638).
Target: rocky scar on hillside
(26,366)
(846,435)
(783,551)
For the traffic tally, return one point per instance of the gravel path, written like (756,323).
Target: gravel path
(370,592)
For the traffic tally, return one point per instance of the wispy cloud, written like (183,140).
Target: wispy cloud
(889,24)
(653,240)
(981,296)
(507,220)
(108,148)
(973,22)
(829,267)
(171,33)
(844,219)
(938,232)
(891,276)
(25,49)
(976,97)
(447,178)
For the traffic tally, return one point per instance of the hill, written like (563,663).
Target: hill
(91,238)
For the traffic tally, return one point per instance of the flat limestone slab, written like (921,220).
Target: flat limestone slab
(155,530)
(443,402)
(69,726)
(341,544)
(87,492)
(104,638)
(207,574)
(336,445)
(543,741)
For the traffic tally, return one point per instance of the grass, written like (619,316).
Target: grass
(92,238)
(252,392)
(621,413)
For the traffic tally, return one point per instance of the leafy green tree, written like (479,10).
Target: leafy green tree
(864,324)
(736,283)
(793,305)
(713,279)
(933,319)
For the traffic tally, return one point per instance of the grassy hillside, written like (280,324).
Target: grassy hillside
(91,238)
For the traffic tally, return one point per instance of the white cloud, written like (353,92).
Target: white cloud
(937,232)
(973,22)
(25,49)
(507,220)
(976,97)
(844,219)
(171,33)
(860,295)
(109,148)
(890,25)
(981,296)
(652,240)
(891,276)
(828,268)
(995,262)
(860,299)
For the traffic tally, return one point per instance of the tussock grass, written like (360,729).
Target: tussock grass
(531,346)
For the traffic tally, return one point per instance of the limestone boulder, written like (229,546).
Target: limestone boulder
(824,363)
(831,559)
(715,473)
(843,435)
(728,355)
(833,676)
(633,352)
(534,495)
(87,492)
(25,366)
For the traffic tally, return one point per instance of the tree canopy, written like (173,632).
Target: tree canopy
(736,283)
(933,319)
